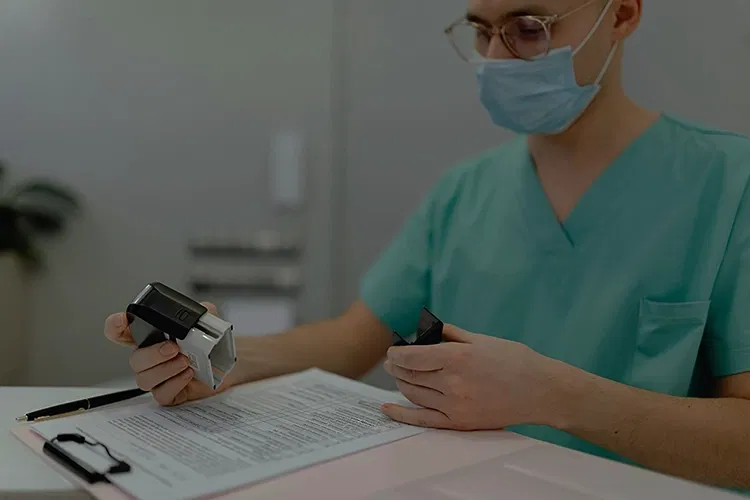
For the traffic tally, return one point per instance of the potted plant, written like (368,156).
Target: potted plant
(29,211)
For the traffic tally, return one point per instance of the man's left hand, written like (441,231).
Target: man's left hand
(474,382)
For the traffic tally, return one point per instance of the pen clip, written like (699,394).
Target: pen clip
(62,415)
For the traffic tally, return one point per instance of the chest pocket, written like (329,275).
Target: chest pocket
(668,342)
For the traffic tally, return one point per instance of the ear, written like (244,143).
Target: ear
(627,17)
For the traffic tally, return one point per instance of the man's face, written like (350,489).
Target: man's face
(570,31)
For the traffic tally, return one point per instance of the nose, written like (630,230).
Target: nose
(497,49)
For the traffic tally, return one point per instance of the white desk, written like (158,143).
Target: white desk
(525,467)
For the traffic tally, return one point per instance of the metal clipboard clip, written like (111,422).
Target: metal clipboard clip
(84,471)
(429,331)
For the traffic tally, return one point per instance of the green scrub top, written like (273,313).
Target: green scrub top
(647,282)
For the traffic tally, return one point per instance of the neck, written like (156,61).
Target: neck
(606,128)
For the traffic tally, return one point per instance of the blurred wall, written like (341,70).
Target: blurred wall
(160,112)
(694,61)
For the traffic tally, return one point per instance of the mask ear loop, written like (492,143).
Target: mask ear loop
(607,63)
(596,27)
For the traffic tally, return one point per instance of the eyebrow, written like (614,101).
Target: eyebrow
(528,10)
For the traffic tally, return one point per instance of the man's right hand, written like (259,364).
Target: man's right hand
(161,368)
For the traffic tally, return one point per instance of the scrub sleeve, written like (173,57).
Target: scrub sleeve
(398,285)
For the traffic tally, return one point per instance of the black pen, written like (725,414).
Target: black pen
(80,405)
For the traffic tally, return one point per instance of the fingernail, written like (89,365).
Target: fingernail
(188,374)
(120,320)
(168,349)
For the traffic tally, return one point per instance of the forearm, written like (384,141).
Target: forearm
(334,346)
(706,440)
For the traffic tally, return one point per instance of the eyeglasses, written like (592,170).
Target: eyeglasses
(526,37)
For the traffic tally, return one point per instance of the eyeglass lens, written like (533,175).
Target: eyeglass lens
(525,37)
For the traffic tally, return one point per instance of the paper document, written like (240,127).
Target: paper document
(245,435)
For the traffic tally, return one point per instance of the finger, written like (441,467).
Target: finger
(452,333)
(116,329)
(195,389)
(432,380)
(420,417)
(198,390)
(171,391)
(182,397)
(116,326)
(417,357)
(422,396)
(148,357)
(152,377)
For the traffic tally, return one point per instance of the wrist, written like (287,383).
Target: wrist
(235,377)
(258,358)
(565,395)
(241,373)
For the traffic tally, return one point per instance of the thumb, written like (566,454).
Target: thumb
(452,333)
(211,308)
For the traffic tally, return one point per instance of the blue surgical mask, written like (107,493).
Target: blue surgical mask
(540,96)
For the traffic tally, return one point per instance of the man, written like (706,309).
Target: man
(602,259)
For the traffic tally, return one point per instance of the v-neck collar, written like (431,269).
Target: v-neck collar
(597,206)
(542,223)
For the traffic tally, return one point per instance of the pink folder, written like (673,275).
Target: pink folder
(355,476)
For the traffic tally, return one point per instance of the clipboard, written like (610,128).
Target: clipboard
(103,489)
(357,477)
(91,475)
(95,482)
(285,476)
(98,489)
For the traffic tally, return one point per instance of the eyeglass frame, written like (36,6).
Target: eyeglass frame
(546,21)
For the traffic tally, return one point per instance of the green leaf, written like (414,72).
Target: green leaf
(14,239)
(47,191)
(34,208)
(8,227)
(40,221)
